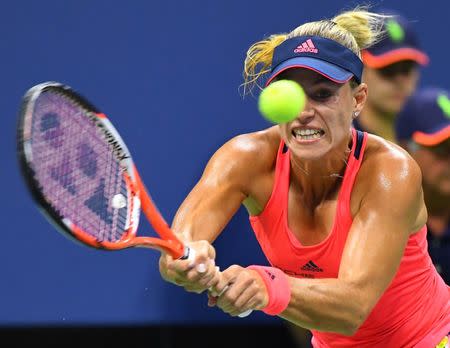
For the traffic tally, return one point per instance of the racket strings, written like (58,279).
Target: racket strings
(78,172)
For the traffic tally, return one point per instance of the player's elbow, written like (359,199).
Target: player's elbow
(353,325)
(355,318)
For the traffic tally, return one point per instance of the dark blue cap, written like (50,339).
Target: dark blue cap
(324,56)
(425,117)
(399,43)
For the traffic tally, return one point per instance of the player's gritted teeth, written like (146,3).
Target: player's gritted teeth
(307,133)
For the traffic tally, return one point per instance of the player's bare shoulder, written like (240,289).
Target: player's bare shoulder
(254,151)
(389,174)
(382,156)
(256,154)
(245,158)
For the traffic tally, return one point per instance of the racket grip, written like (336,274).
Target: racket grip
(189,254)
(245,314)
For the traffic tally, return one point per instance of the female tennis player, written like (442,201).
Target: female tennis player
(338,213)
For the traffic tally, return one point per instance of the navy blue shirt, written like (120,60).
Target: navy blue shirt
(439,249)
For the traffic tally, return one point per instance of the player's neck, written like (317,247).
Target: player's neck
(377,122)
(318,180)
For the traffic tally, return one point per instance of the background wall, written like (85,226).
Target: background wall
(167,73)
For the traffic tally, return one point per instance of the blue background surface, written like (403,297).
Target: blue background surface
(167,73)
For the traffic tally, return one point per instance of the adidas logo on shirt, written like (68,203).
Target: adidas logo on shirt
(307,46)
(311,267)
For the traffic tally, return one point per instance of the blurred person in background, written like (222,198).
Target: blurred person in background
(391,70)
(423,128)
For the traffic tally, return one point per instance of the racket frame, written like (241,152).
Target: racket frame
(139,197)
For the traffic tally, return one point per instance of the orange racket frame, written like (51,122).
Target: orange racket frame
(138,198)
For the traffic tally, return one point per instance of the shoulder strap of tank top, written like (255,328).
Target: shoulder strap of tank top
(356,156)
(354,163)
(359,139)
(281,172)
(281,157)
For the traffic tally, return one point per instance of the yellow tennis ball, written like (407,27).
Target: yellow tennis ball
(282,101)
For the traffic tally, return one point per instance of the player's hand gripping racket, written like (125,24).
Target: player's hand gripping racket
(81,173)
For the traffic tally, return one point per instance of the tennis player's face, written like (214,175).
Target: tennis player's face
(325,122)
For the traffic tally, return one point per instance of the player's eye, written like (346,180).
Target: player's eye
(321,94)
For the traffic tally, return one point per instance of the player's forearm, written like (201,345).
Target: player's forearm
(325,305)
(204,216)
(194,226)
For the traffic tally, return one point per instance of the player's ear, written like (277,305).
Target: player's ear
(359,98)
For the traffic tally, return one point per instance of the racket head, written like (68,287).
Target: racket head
(79,170)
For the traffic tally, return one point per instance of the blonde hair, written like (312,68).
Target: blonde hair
(356,29)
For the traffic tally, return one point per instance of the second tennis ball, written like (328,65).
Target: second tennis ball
(282,101)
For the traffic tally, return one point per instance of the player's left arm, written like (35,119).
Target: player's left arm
(390,209)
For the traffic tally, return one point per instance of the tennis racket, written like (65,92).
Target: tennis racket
(82,176)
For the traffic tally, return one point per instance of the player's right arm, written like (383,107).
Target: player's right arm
(228,179)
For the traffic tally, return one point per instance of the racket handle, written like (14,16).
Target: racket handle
(245,314)
(189,254)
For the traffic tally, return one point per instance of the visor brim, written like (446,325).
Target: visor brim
(328,70)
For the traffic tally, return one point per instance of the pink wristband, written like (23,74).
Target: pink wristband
(278,288)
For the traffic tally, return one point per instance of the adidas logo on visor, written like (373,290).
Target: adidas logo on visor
(307,46)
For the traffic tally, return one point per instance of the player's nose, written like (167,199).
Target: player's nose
(307,115)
